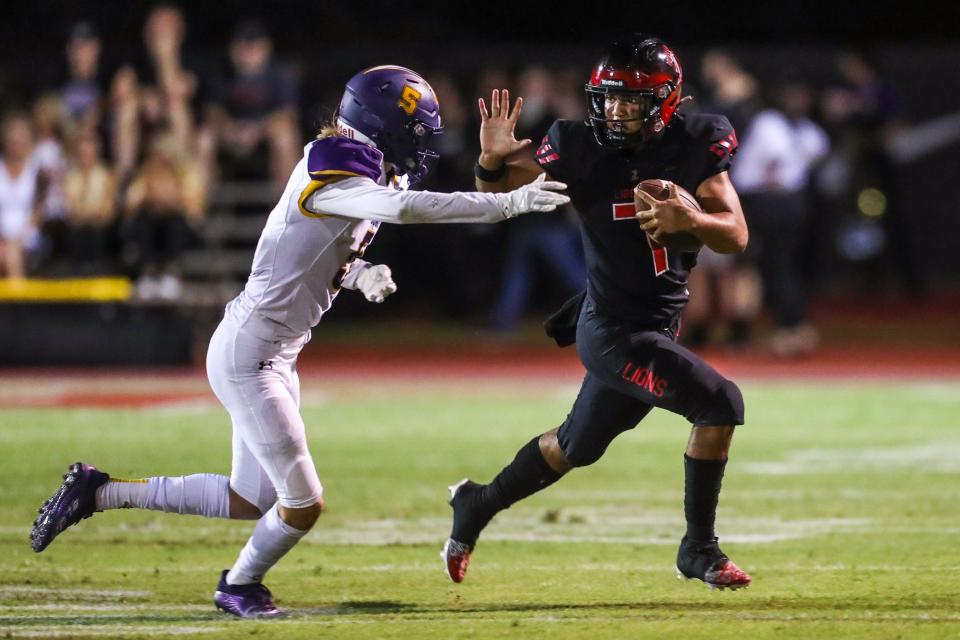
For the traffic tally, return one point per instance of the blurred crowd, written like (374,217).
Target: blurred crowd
(818,185)
(110,171)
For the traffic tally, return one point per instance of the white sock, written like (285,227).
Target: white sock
(271,540)
(202,494)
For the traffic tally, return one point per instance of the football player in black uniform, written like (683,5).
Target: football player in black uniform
(625,325)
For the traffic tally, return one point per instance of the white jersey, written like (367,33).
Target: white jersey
(777,153)
(50,159)
(315,236)
(17,199)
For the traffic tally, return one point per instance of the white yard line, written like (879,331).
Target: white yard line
(73,607)
(10,591)
(606,524)
(939,457)
(102,631)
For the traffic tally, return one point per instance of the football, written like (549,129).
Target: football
(682,241)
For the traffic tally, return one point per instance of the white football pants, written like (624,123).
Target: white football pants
(256,380)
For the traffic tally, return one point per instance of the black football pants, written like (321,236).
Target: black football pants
(631,368)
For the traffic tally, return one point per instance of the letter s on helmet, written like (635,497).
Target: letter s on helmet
(645,68)
(398,110)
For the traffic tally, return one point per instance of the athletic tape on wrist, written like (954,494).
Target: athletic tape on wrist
(487,175)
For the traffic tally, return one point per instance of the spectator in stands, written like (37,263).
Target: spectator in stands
(163,205)
(155,94)
(728,88)
(568,93)
(450,278)
(166,87)
(870,111)
(91,193)
(253,111)
(168,93)
(550,242)
(772,175)
(83,91)
(19,194)
(122,123)
(52,165)
(454,168)
(728,294)
(537,86)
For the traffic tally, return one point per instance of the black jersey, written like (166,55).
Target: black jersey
(629,276)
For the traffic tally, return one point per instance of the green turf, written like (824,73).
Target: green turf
(840,499)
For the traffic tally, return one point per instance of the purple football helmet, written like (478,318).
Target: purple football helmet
(398,111)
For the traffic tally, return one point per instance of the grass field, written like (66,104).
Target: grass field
(841,499)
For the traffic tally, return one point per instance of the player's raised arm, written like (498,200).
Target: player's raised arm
(502,166)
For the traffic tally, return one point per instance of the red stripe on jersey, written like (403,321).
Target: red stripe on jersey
(727,146)
(624,211)
(550,157)
(660,264)
(628,211)
(544,146)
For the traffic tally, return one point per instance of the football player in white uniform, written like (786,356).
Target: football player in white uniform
(352,178)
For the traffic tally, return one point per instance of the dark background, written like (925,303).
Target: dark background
(916,46)
(334,35)
(40,25)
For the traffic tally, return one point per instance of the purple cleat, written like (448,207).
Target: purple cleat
(245,600)
(75,500)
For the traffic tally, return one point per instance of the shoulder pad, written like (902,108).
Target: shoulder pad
(336,156)
(722,137)
(564,138)
(706,126)
(710,138)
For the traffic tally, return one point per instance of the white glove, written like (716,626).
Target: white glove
(375,283)
(537,196)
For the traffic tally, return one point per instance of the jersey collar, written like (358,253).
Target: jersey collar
(347,131)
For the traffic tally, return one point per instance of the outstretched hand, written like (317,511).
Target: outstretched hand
(497,137)
(541,195)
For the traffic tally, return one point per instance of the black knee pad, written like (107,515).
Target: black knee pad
(724,407)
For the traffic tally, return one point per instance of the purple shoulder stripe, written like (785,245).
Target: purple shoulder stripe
(341,156)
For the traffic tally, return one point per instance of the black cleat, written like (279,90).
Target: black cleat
(705,561)
(469,519)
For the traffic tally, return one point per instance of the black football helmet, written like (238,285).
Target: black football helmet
(646,70)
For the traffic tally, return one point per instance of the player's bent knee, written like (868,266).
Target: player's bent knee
(583,454)
(724,407)
(553,453)
(302,518)
(731,400)
(242,509)
(266,500)
(579,449)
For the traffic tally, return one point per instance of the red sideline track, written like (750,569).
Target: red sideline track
(321,363)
